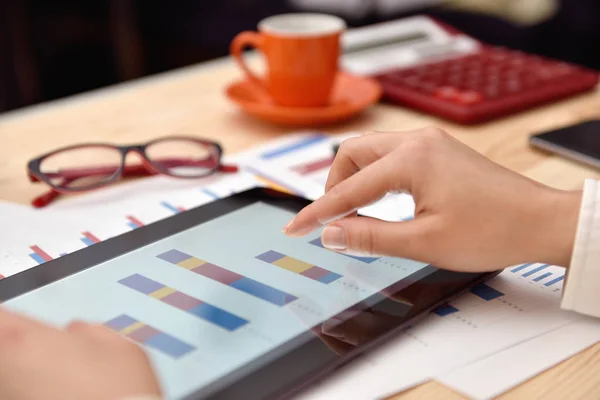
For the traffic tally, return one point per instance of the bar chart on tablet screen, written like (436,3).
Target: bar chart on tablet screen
(227,277)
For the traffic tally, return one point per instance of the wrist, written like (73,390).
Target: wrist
(558,218)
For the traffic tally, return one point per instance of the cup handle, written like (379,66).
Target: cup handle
(241,41)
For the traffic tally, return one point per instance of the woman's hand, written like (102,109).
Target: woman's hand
(471,214)
(82,362)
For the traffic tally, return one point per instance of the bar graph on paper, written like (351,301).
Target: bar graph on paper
(543,274)
(516,291)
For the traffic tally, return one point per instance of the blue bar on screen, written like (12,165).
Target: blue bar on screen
(218,316)
(262,291)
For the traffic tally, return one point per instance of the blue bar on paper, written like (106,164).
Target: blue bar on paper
(555,280)
(37,258)
(303,143)
(120,322)
(368,260)
(168,345)
(170,207)
(330,277)
(270,256)
(132,225)
(218,316)
(87,241)
(486,292)
(538,269)
(542,277)
(447,309)
(262,291)
(210,193)
(522,267)
(141,284)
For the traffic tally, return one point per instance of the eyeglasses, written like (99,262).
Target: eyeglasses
(85,167)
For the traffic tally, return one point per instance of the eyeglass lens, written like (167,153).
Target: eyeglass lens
(82,167)
(185,158)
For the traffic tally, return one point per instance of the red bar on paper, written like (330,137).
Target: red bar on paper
(304,169)
(45,256)
(93,238)
(135,220)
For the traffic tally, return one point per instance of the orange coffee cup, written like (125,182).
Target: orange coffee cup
(302,53)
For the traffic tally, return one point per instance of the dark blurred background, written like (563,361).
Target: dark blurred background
(51,49)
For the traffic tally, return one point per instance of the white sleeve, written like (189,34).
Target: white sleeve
(581,291)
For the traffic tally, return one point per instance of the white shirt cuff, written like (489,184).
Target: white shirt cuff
(581,291)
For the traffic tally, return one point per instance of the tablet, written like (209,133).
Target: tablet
(579,142)
(227,306)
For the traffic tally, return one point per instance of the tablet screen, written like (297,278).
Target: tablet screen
(211,301)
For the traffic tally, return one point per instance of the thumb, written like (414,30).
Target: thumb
(364,236)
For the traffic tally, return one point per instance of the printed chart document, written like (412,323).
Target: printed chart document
(492,376)
(303,161)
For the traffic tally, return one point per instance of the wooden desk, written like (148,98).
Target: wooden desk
(191,101)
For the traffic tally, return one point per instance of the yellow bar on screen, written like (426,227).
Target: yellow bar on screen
(292,264)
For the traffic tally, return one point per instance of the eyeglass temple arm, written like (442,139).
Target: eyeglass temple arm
(46,198)
(133,170)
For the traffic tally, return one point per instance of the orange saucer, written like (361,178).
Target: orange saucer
(351,95)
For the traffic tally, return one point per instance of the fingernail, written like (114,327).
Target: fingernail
(334,237)
(287,226)
(292,230)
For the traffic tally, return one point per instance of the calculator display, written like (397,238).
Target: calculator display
(387,41)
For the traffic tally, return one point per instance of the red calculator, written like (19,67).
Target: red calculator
(428,66)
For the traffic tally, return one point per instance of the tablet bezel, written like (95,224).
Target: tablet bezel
(287,371)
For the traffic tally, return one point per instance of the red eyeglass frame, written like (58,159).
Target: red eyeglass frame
(146,168)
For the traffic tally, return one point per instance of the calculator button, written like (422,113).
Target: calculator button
(469,98)
(492,93)
(447,92)
(473,85)
(545,73)
(412,81)
(513,86)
